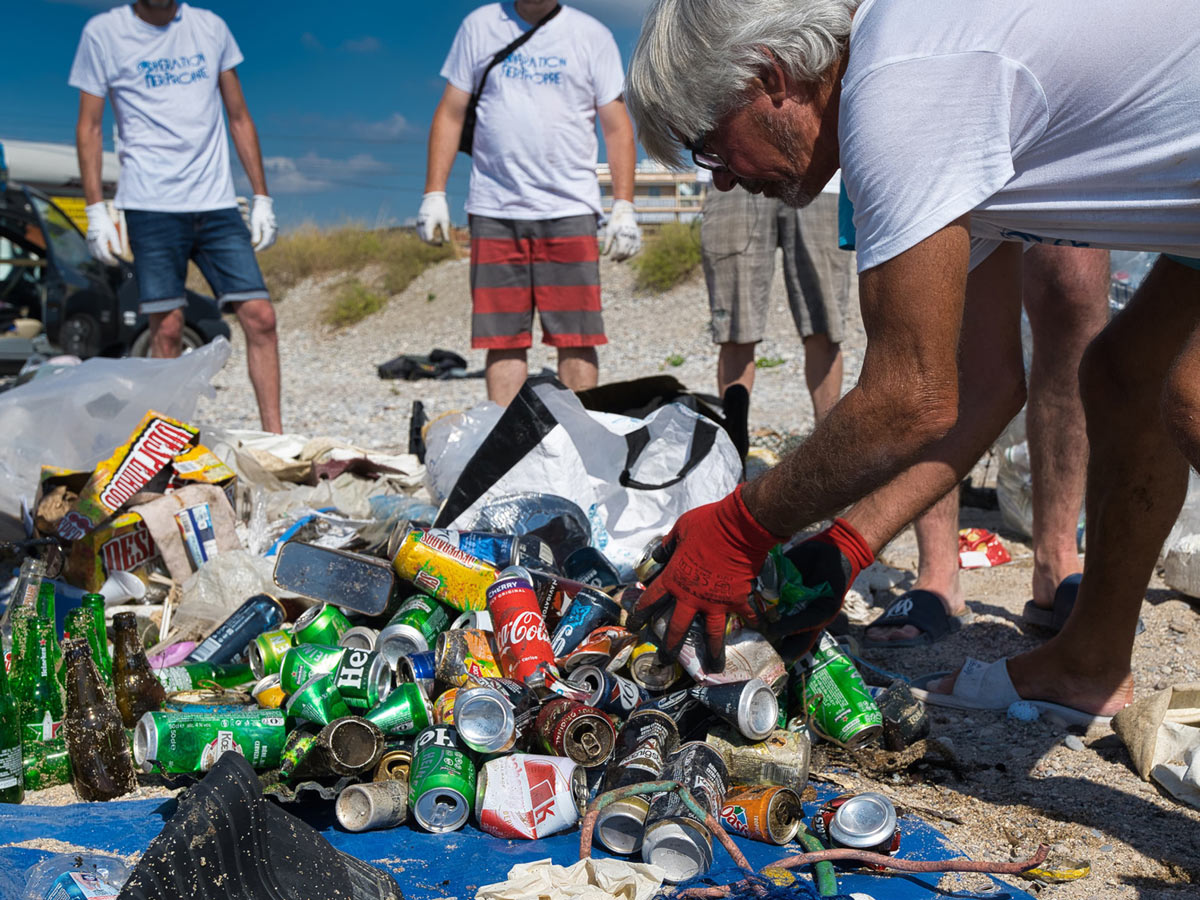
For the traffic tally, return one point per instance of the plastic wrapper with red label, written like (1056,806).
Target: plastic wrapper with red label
(979,548)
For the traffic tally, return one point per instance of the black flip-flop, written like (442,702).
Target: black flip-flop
(1053,619)
(922,609)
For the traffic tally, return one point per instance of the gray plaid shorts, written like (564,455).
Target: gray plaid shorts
(739,235)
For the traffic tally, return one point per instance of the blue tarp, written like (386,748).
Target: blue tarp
(429,866)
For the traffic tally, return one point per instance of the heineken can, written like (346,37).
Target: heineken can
(301,663)
(318,700)
(417,668)
(413,628)
(835,697)
(442,780)
(360,637)
(193,741)
(363,678)
(268,693)
(404,711)
(193,676)
(265,652)
(324,624)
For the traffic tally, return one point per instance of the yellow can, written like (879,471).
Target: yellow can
(443,571)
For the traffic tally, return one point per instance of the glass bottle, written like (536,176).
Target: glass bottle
(138,691)
(81,623)
(100,656)
(12,778)
(101,762)
(39,694)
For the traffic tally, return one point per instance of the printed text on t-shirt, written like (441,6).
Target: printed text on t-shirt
(178,70)
(538,69)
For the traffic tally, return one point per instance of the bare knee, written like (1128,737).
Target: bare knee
(166,333)
(1181,410)
(258,321)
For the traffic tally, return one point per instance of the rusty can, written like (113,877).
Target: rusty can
(766,813)
(578,732)
(464,657)
(522,642)
(782,758)
(379,804)
(529,797)
(864,821)
(443,571)
(442,710)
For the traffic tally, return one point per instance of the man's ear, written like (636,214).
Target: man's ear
(772,77)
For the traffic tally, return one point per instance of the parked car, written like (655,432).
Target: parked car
(84,307)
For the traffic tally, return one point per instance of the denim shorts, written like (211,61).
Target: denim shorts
(218,240)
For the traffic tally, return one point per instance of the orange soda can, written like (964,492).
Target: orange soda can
(766,813)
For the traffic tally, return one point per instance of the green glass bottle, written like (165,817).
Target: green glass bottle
(21,617)
(196,676)
(102,658)
(46,600)
(39,694)
(12,778)
(101,761)
(81,623)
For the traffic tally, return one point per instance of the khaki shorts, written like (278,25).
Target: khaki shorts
(739,234)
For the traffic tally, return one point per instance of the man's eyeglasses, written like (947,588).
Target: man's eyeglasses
(705,159)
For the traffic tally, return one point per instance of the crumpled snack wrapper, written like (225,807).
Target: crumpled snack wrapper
(588,879)
(1162,734)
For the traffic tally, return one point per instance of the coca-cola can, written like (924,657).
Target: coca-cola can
(578,732)
(522,642)
(529,797)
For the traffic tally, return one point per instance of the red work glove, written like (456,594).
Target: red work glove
(715,553)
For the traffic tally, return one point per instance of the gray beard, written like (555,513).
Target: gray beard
(793,194)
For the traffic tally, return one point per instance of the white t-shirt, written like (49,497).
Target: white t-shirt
(535,135)
(1074,122)
(163,85)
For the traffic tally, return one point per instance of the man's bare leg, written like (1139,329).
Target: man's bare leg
(578,367)
(735,365)
(1066,296)
(166,334)
(257,318)
(822,372)
(505,370)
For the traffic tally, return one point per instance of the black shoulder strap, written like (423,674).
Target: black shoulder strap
(503,54)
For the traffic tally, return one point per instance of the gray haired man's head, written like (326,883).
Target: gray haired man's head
(695,59)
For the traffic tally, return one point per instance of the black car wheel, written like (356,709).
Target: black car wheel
(141,344)
(80,336)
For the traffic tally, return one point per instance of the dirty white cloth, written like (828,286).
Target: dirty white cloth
(1162,734)
(588,879)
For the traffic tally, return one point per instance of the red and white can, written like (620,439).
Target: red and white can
(529,797)
(522,641)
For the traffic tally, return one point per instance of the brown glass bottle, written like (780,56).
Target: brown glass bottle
(101,763)
(138,691)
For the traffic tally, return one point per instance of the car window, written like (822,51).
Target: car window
(68,244)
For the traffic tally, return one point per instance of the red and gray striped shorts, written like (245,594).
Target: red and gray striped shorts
(553,264)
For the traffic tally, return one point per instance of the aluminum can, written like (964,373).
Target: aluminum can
(301,663)
(318,700)
(782,758)
(363,678)
(647,739)
(443,571)
(268,693)
(413,628)
(405,711)
(228,642)
(442,780)
(578,732)
(417,668)
(349,745)
(485,719)
(360,637)
(568,688)
(464,657)
(521,638)
(609,647)
(497,550)
(611,693)
(749,706)
(674,838)
(766,813)
(588,611)
(591,567)
(554,593)
(835,697)
(324,624)
(524,700)
(265,652)
(394,765)
(654,560)
(474,618)
(443,707)
(688,713)
(864,821)
(529,797)
(379,804)
(193,741)
(648,670)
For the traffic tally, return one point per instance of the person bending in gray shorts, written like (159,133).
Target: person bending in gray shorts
(738,238)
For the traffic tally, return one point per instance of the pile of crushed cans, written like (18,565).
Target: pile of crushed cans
(476,676)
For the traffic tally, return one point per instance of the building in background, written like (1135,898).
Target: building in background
(659,194)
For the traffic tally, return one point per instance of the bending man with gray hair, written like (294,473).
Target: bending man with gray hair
(962,132)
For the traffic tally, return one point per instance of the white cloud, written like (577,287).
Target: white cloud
(366,44)
(311,173)
(392,128)
(311,41)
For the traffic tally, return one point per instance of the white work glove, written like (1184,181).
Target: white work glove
(622,236)
(433,214)
(102,239)
(262,223)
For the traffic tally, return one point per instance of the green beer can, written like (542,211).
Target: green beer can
(404,712)
(324,624)
(441,786)
(363,678)
(835,697)
(193,741)
(195,676)
(413,628)
(301,664)
(265,653)
(318,701)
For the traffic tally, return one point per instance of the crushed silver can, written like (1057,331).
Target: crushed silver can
(377,804)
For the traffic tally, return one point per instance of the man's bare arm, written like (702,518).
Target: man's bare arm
(620,146)
(906,397)
(242,130)
(444,136)
(89,146)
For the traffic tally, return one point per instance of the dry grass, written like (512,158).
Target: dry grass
(352,303)
(669,256)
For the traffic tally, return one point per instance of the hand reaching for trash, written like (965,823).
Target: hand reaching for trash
(827,564)
(715,553)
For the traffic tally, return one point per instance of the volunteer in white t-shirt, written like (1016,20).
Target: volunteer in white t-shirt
(534,198)
(169,70)
(1004,122)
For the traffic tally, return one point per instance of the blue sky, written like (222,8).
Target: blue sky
(342,93)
